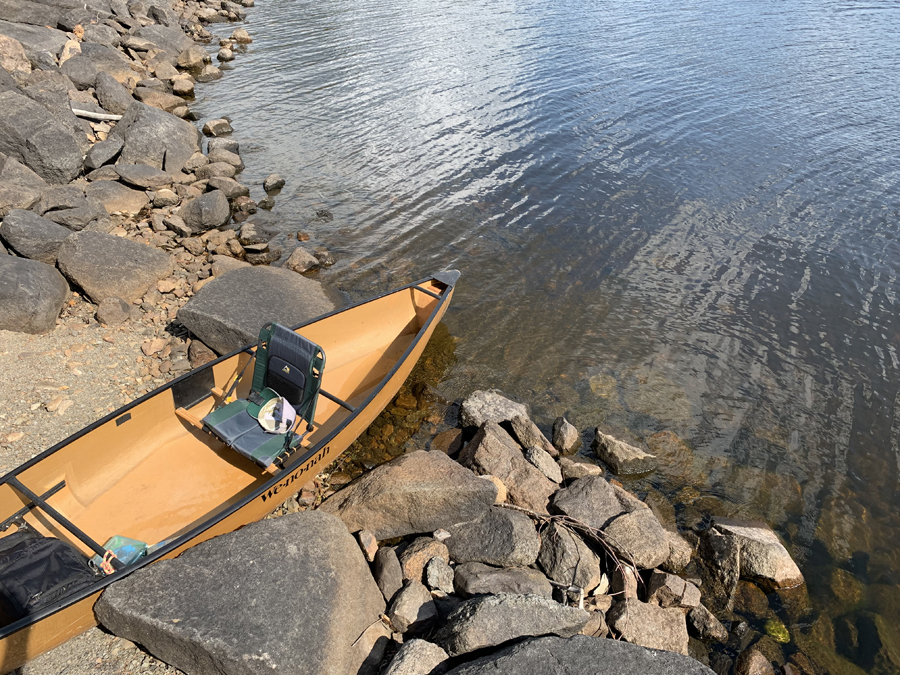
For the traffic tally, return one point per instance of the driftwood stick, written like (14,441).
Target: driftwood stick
(97,116)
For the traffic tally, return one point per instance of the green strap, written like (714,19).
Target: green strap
(262,358)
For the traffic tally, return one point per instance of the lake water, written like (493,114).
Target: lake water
(669,218)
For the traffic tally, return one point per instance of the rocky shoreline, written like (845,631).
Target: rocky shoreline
(493,551)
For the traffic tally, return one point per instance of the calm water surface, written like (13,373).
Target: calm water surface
(669,217)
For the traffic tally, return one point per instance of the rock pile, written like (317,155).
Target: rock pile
(497,572)
(100,160)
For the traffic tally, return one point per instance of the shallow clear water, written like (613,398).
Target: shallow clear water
(668,218)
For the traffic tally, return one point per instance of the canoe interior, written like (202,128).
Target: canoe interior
(149,474)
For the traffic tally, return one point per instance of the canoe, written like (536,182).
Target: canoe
(150,471)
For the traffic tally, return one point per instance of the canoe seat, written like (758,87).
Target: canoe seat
(287,365)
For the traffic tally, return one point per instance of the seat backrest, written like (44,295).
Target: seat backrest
(290,365)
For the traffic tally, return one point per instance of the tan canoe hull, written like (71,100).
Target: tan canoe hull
(396,326)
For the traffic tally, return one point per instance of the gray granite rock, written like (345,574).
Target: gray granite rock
(417,492)
(206,212)
(415,557)
(109,61)
(229,187)
(488,406)
(649,626)
(81,70)
(544,463)
(490,620)
(112,96)
(705,626)
(33,237)
(763,558)
(580,654)
(412,610)
(492,451)
(417,657)
(680,553)
(668,590)
(620,456)
(20,187)
(567,559)
(32,295)
(114,311)
(102,153)
(630,525)
(215,608)
(154,137)
(273,182)
(32,135)
(753,662)
(528,435)
(388,572)
(439,575)
(24,11)
(720,569)
(170,39)
(573,469)
(115,197)
(566,438)
(143,176)
(106,266)
(475,578)
(501,537)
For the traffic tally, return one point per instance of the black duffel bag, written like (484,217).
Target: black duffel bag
(36,571)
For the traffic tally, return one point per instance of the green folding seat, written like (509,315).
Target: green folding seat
(287,365)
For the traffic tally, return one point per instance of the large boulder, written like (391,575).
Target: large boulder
(53,93)
(418,492)
(31,134)
(629,524)
(154,137)
(489,406)
(291,594)
(580,654)
(206,212)
(490,620)
(649,625)
(34,237)
(106,266)
(32,295)
(492,451)
(501,537)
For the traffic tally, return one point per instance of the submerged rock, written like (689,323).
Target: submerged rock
(620,456)
(214,605)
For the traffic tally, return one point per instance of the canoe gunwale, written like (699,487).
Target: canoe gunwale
(447,278)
